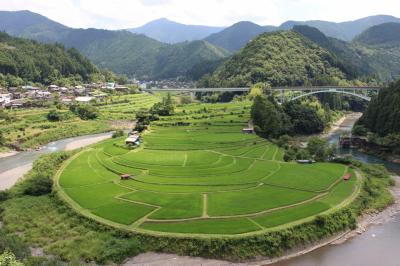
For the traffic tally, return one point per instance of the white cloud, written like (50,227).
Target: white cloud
(116,14)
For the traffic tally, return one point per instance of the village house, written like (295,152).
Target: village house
(30,88)
(84,99)
(42,95)
(17,103)
(5,99)
(121,88)
(53,88)
(67,100)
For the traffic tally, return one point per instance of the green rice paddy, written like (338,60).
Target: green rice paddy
(201,177)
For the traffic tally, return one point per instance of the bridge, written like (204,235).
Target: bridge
(290,93)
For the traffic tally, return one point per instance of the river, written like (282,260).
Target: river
(379,245)
(14,167)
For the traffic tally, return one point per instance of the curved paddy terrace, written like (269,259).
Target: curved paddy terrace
(202,178)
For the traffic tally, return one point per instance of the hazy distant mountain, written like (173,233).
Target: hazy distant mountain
(168,31)
(387,34)
(343,30)
(238,35)
(121,51)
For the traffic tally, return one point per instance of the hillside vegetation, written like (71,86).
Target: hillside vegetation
(32,61)
(279,58)
(120,51)
(383,112)
(383,34)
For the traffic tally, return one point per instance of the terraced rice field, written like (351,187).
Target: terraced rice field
(201,177)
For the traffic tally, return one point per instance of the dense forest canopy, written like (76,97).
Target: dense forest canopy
(44,63)
(272,120)
(278,58)
(383,112)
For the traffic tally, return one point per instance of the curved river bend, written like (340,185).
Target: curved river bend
(379,245)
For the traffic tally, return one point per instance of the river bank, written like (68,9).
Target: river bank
(7,154)
(15,166)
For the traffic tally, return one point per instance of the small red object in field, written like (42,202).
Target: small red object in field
(347,176)
(125,176)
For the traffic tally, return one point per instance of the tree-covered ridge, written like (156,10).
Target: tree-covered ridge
(42,63)
(371,63)
(139,56)
(387,34)
(279,58)
(383,112)
(121,51)
(182,59)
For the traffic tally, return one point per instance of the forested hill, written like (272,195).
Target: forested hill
(44,63)
(383,112)
(120,51)
(387,34)
(279,58)
(358,59)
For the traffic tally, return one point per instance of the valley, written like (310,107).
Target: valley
(195,143)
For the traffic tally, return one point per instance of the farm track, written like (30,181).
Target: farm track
(247,215)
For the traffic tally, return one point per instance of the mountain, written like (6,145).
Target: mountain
(29,25)
(343,30)
(360,59)
(121,51)
(171,32)
(180,59)
(279,58)
(37,62)
(238,35)
(350,59)
(387,34)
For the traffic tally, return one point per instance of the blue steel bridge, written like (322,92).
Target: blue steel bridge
(290,93)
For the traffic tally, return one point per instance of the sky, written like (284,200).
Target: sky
(120,14)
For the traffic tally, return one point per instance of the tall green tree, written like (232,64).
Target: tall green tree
(268,117)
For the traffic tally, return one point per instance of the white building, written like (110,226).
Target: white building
(84,99)
(5,99)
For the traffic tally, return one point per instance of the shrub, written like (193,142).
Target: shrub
(118,133)
(53,116)
(39,180)
(85,112)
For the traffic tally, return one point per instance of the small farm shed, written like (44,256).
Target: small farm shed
(346,176)
(125,176)
(132,139)
(248,130)
(305,161)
